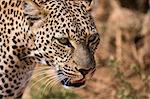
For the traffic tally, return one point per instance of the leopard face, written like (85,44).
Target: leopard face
(67,39)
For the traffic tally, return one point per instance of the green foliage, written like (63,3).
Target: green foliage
(126,91)
(112,62)
(54,94)
(124,88)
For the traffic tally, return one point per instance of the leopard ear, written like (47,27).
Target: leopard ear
(33,11)
(89,4)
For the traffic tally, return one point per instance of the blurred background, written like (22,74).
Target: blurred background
(123,56)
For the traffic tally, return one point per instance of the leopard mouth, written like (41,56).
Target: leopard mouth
(73,83)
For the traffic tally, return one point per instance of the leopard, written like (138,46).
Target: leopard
(58,33)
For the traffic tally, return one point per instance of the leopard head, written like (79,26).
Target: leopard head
(65,37)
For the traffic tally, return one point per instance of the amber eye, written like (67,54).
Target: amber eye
(93,38)
(64,41)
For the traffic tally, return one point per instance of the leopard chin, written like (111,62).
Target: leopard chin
(73,84)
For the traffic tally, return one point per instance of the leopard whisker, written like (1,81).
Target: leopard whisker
(49,82)
(40,80)
(43,68)
(40,74)
(55,83)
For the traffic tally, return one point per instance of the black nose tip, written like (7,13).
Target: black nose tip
(83,71)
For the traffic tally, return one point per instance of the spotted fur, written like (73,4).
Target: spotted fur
(59,33)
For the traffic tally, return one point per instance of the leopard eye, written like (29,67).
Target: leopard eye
(64,41)
(93,38)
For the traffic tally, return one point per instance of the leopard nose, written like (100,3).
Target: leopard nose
(84,71)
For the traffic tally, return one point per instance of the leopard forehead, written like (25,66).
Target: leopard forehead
(68,18)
